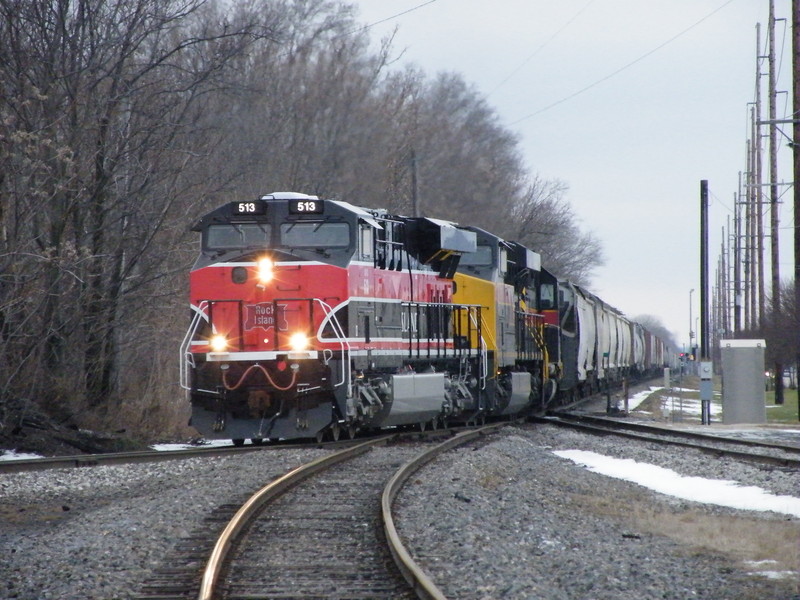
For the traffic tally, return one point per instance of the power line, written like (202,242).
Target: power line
(363,28)
(400,14)
(717,200)
(630,64)
(540,48)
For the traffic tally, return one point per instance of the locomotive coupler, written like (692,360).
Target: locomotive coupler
(219,423)
(220,420)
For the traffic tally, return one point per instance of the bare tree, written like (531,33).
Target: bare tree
(317,112)
(543,220)
(780,329)
(307,113)
(97,102)
(656,326)
(468,166)
(122,120)
(469,169)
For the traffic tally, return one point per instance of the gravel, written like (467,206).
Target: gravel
(98,533)
(512,520)
(503,519)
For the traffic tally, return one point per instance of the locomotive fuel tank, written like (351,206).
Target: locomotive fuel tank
(409,399)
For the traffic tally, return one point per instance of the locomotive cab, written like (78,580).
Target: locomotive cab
(267,276)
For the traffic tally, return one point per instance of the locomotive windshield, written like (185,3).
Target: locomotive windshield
(548,296)
(481,257)
(237,235)
(315,234)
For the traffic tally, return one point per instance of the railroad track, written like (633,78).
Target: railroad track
(77,461)
(320,539)
(122,458)
(761,452)
(324,530)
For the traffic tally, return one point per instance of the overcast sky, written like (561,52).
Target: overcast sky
(631,104)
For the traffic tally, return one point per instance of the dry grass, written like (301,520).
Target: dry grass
(659,402)
(742,538)
(492,480)
(150,405)
(32,514)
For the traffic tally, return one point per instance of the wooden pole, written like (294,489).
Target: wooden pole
(775,317)
(737,260)
(796,156)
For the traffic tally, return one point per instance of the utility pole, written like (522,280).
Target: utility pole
(749,227)
(755,205)
(775,318)
(415,210)
(737,259)
(729,291)
(724,284)
(796,169)
(760,311)
(714,317)
(692,333)
(716,306)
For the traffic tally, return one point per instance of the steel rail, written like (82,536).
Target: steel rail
(19,465)
(660,430)
(419,580)
(661,436)
(72,461)
(270,491)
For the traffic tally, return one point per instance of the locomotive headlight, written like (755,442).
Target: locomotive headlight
(265,267)
(218,343)
(298,342)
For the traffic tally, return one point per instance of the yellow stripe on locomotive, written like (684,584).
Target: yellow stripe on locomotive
(474,291)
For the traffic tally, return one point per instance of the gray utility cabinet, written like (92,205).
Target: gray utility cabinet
(743,389)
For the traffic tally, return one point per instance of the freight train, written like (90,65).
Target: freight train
(314,317)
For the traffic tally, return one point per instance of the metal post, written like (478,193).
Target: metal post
(704,268)
(625,392)
(606,360)
(705,395)
(691,323)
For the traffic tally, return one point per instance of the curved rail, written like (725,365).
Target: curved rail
(414,575)
(264,495)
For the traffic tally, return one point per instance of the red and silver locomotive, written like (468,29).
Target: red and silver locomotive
(312,316)
(315,315)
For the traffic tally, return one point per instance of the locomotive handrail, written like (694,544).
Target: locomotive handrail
(534,331)
(479,326)
(343,342)
(418,306)
(186,356)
